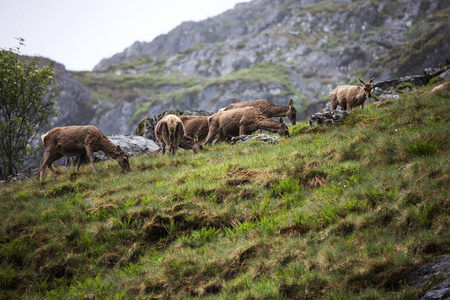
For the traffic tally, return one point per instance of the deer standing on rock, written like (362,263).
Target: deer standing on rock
(241,121)
(82,141)
(349,96)
(269,109)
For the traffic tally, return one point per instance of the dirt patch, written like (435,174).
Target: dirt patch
(241,176)
(109,259)
(210,288)
(294,230)
(232,268)
(156,287)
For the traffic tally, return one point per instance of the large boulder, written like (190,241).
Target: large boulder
(134,145)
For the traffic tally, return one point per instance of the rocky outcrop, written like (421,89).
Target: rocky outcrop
(244,139)
(330,118)
(439,267)
(326,42)
(315,46)
(72,101)
(383,90)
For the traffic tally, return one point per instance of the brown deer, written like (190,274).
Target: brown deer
(349,96)
(240,121)
(440,88)
(81,141)
(269,109)
(195,126)
(170,131)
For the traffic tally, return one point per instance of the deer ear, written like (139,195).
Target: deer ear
(291,103)
(371,80)
(281,120)
(119,149)
(361,81)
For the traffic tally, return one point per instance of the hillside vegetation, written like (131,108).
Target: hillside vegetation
(347,212)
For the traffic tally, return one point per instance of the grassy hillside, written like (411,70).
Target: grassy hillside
(337,213)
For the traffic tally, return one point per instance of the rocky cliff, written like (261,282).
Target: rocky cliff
(272,49)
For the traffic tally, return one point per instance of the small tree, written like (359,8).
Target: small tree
(27,93)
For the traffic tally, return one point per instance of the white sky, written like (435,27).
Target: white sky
(79,33)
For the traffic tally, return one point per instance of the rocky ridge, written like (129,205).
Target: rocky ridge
(263,49)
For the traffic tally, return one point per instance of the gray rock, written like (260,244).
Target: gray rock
(416,80)
(330,118)
(439,267)
(133,144)
(243,139)
(444,75)
(439,292)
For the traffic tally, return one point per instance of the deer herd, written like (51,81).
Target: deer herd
(191,132)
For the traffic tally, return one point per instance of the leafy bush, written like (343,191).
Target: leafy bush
(423,148)
(27,103)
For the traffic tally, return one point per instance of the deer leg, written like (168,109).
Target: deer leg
(163,146)
(90,154)
(80,158)
(333,105)
(48,160)
(241,130)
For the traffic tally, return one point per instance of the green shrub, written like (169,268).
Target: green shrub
(205,235)
(7,279)
(423,148)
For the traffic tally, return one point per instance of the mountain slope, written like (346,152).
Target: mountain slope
(345,212)
(275,50)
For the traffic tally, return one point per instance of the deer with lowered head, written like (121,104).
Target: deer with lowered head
(349,96)
(195,126)
(240,121)
(269,109)
(169,132)
(79,141)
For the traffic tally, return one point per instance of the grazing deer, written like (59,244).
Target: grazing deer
(240,121)
(170,131)
(195,126)
(349,96)
(269,109)
(81,141)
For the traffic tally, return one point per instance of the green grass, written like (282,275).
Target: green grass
(344,212)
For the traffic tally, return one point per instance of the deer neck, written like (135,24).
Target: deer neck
(108,147)
(360,98)
(270,125)
(278,111)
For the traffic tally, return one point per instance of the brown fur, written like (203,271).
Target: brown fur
(188,143)
(240,121)
(195,126)
(170,131)
(440,88)
(349,96)
(269,109)
(82,141)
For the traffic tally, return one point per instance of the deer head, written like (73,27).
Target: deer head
(292,112)
(122,159)
(367,87)
(284,130)
(196,145)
